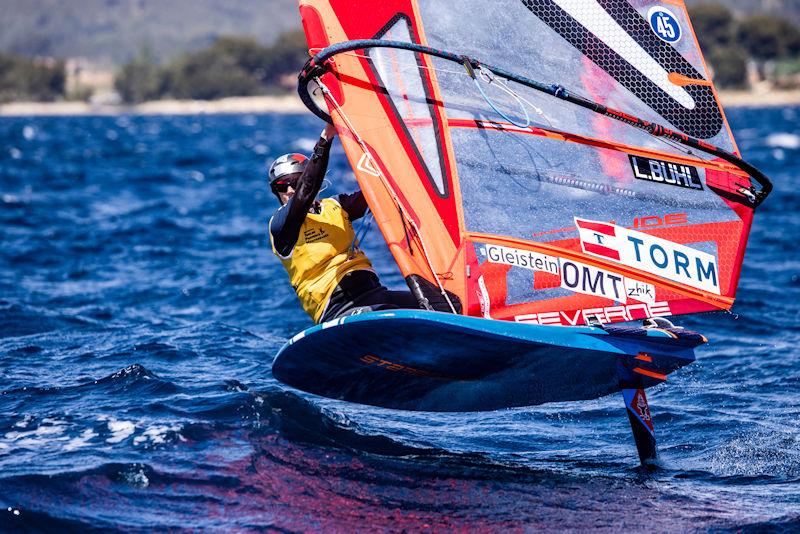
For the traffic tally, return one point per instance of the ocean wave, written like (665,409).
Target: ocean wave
(135,377)
(141,309)
(19,320)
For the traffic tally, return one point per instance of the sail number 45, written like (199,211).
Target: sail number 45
(664,24)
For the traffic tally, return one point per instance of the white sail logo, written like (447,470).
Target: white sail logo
(521,258)
(650,254)
(597,20)
(367,164)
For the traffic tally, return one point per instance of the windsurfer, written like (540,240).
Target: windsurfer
(316,243)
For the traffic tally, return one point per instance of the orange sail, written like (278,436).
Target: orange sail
(498,200)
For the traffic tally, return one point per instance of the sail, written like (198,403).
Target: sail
(500,200)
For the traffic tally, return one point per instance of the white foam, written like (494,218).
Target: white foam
(120,430)
(81,441)
(783,140)
(24,422)
(51,430)
(139,479)
(156,434)
(49,427)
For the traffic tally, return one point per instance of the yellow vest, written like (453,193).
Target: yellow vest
(322,256)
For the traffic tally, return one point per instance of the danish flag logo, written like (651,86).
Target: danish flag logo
(598,238)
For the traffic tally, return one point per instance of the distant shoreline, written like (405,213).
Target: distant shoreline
(292,104)
(759,98)
(234,105)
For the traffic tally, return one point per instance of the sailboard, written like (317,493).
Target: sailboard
(531,164)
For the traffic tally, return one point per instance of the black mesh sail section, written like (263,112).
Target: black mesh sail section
(704,121)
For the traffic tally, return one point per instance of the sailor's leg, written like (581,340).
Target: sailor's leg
(641,424)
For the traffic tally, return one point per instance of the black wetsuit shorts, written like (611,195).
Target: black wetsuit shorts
(361,292)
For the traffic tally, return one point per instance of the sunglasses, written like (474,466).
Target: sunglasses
(282,185)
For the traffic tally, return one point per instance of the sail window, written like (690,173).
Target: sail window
(401,72)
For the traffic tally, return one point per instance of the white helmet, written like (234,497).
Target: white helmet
(286,165)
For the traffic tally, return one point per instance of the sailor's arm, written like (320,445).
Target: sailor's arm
(311,180)
(286,223)
(354,204)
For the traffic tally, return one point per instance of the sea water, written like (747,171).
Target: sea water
(141,308)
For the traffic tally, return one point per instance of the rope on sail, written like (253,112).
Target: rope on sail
(489,79)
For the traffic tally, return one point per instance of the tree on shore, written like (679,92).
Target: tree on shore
(730,66)
(231,66)
(211,73)
(286,56)
(767,37)
(730,43)
(140,79)
(31,79)
(714,25)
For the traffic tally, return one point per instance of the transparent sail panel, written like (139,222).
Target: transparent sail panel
(608,51)
(463,101)
(401,73)
(531,187)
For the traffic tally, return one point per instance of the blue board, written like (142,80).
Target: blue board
(432,361)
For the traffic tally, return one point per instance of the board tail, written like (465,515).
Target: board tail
(641,424)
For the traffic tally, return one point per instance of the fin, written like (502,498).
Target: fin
(641,424)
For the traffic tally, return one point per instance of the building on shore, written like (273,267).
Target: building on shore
(86,80)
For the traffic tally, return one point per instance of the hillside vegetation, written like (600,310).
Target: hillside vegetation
(23,78)
(740,50)
(785,9)
(112,32)
(771,44)
(232,66)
